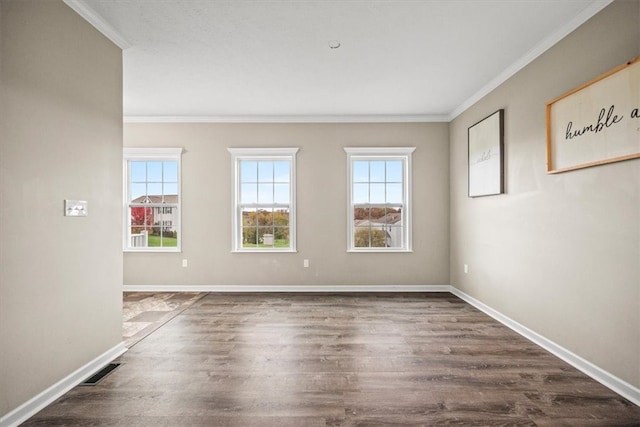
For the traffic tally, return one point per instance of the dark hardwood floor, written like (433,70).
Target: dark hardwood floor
(144,312)
(338,360)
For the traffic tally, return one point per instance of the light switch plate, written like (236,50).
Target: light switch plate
(75,208)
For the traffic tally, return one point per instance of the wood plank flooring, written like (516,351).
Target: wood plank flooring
(357,359)
(144,312)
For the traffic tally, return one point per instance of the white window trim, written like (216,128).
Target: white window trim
(381,153)
(238,154)
(150,154)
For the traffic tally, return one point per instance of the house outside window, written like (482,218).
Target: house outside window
(152,199)
(379,211)
(264,199)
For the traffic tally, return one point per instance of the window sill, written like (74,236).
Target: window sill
(264,251)
(150,251)
(379,251)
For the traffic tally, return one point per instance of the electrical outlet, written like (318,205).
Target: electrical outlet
(185,263)
(306,263)
(466,268)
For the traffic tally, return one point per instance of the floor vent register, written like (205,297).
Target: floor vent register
(101,374)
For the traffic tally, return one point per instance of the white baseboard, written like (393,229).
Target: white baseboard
(270,288)
(41,400)
(614,383)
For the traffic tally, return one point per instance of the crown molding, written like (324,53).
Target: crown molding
(92,17)
(152,153)
(349,118)
(546,44)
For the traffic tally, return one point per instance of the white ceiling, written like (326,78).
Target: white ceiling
(270,60)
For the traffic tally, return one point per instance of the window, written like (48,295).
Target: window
(379,199)
(264,199)
(152,199)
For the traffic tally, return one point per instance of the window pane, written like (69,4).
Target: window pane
(138,171)
(154,171)
(378,238)
(138,191)
(170,171)
(249,237)
(394,193)
(377,171)
(139,237)
(249,193)
(370,227)
(170,189)
(141,218)
(281,171)
(154,189)
(360,171)
(359,215)
(281,193)
(265,171)
(395,236)
(164,218)
(265,217)
(281,237)
(361,237)
(272,230)
(265,237)
(378,216)
(248,171)
(249,217)
(166,240)
(281,218)
(394,216)
(377,193)
(360,193)
(265,193)
(394,171)
(153,227)
(374,236)
(164,231)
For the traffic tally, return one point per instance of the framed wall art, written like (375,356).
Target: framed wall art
(486,157)
(596,123)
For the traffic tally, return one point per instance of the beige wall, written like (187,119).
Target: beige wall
(558,253)
(321,203)
(61,138)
